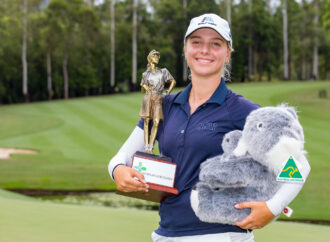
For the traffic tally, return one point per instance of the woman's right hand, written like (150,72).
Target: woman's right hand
(125,179)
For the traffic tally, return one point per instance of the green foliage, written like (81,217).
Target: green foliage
(326,16)
(260,29)
(74,29)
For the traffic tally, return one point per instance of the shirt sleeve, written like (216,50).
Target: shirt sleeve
(288,191)
(135,142)
(167,75)
(144,80)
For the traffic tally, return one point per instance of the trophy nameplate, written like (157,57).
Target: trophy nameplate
(159,173)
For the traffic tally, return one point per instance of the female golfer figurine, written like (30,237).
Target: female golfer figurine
(153,82)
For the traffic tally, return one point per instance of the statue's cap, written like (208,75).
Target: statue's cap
(213,21)
(154,52)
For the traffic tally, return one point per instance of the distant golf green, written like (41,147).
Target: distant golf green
(35,221)
(76,139)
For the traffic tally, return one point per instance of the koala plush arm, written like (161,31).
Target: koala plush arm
(288,191)
(236,172)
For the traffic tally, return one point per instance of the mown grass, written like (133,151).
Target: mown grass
(76,139)
(35,221)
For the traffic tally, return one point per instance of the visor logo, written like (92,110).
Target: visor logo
(207,20)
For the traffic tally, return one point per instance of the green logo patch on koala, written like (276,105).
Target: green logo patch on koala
(290,172)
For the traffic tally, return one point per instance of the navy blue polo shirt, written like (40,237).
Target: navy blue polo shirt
(189,140)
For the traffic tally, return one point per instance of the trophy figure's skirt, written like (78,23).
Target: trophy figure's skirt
(152,106)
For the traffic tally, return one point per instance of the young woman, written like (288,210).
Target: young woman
(195,120)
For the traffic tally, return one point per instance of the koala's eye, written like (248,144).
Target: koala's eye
(227,140)
(260,126)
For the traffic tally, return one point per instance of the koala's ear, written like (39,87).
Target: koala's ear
(292,111)
(241,148)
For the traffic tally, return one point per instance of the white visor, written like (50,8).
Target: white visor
(213,21)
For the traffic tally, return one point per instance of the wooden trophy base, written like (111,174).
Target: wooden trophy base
(159,173)
(156,193)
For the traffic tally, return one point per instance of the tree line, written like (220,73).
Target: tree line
(53,49)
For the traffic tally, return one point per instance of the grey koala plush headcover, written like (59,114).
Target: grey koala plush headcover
(248,168)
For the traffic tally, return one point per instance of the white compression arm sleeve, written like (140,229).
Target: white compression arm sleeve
(288,191)
(135,142)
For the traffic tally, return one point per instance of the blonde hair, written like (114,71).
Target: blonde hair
(226,70)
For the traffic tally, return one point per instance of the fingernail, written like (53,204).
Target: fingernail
(236,205)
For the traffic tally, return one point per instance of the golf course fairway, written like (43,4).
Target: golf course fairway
(36,221)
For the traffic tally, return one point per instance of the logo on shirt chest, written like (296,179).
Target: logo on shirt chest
(207,126)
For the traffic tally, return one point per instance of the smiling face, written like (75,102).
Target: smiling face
(206,53)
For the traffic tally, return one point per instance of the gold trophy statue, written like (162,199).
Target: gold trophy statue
(159,171)
(153,82)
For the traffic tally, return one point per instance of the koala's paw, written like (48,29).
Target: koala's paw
(194,201)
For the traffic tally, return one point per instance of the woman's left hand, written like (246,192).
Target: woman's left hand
(260,215)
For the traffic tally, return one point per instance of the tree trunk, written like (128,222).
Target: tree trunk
(316,42)
(290,64)
(269,6)
(269,72)
(303,64)
(308,70)
(49,75)
(8,89)
(134,47)
(0,91)
(260,65)
(66,75)
(250,58)
(112,51)
(228,8)
(90,3)
(303,55)
(285,41)
(185,65)
(255,59)
(24,61)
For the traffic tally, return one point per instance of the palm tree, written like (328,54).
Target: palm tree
(316,42)
(185,66)
(24,61)
(285,40)
(250,58)
(228,11)
(134,45)
(112,51)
